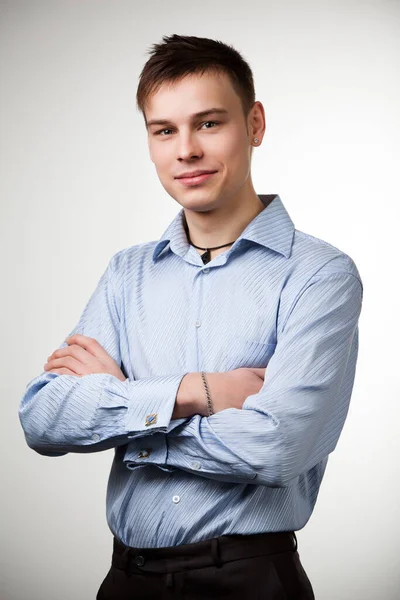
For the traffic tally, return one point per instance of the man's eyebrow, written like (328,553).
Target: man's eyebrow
(203,113)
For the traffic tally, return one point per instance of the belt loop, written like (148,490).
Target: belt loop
(215,553)
(295,541)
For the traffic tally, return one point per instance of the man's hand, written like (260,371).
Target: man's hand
(230,389)
(83,356)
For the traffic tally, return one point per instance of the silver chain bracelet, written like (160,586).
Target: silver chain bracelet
(209,404)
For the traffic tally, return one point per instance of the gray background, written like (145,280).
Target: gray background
(77,185)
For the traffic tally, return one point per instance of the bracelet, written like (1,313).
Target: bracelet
(209,404)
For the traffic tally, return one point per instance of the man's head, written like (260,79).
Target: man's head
(190,75)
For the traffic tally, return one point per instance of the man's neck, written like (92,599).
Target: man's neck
(222,225)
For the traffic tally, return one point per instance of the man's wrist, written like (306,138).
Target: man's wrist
(190,399)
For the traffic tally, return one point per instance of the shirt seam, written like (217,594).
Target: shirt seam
(306,285)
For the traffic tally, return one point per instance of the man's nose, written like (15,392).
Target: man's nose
(189,147)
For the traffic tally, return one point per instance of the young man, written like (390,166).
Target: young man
(218,361)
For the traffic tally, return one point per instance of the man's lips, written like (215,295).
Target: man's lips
(193,180)
(194,173)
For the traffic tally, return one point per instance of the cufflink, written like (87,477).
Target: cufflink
(145,453)
(151,419)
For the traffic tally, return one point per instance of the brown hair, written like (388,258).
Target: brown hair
(181,55)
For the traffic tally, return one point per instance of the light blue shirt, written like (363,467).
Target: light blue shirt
(277,298)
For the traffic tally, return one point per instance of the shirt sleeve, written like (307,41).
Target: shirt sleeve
(295,420)
(66,413)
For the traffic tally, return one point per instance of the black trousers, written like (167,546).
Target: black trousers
(263,566)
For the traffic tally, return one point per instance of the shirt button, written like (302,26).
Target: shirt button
(95,437)
(139,561)
(207,270)
(195,465)
(198,323)
(175,499)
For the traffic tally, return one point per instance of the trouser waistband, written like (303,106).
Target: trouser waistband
(215,551)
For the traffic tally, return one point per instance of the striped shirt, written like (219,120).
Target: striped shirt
(277,298)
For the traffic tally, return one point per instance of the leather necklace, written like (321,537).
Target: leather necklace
(206,257)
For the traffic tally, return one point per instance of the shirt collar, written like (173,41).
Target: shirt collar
(272,228)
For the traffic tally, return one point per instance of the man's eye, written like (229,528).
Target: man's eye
(160,132)
(213,122)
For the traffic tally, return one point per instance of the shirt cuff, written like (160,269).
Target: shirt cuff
(150,402)
(140,454)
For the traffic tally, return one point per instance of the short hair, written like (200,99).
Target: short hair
(181,55)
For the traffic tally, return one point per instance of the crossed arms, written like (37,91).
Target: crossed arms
(282,431)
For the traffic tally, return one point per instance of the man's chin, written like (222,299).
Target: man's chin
(198,199)
(198,204)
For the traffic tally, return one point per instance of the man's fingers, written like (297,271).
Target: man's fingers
(74,350)
(63,371)
(68,362)
(91,345)
(83,356)
(258,371)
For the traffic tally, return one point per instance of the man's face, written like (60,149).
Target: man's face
(215,142)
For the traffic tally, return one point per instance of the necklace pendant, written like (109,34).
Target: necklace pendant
(206,257)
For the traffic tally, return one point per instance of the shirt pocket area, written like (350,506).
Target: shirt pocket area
(242,351)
